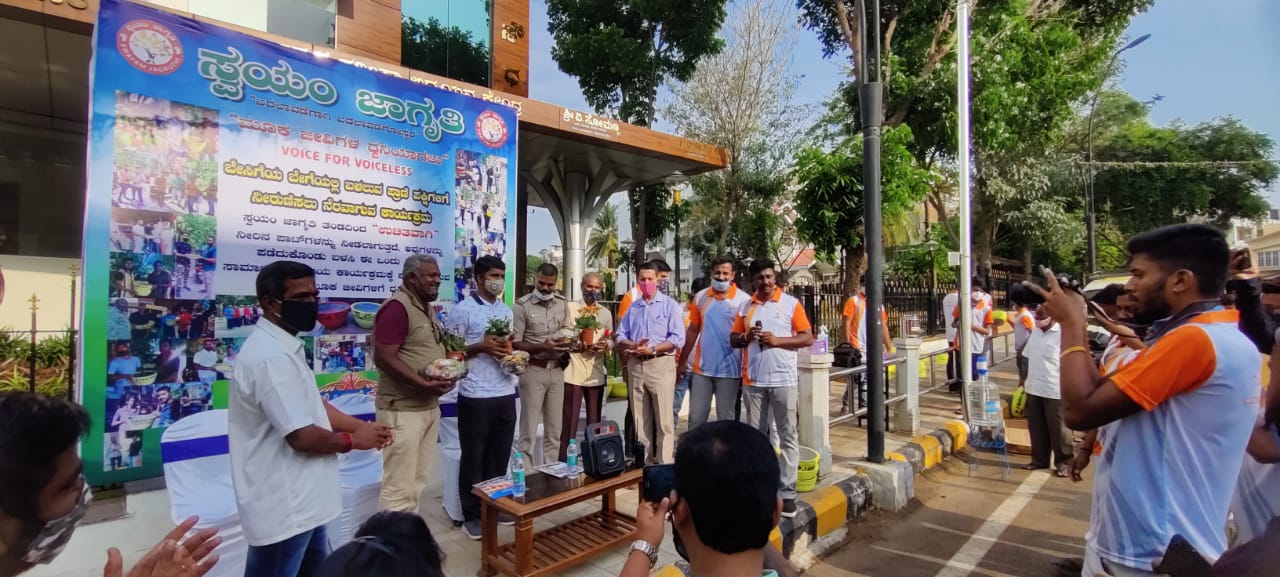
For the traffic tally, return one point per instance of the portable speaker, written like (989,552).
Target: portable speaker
(602,455)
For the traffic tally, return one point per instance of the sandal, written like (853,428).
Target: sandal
(1062,472)
(1032,467)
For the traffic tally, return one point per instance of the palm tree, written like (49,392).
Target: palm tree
(602,243)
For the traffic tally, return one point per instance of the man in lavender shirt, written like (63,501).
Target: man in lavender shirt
(652,333)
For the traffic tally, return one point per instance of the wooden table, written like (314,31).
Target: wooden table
(550,551)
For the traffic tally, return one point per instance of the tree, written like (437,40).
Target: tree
(742,100)
(602,242)
(829,200)
(531,264)
(1038,58)
(447,51)
(622,51)
(1148,176)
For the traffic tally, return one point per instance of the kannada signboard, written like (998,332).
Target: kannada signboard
(213,153)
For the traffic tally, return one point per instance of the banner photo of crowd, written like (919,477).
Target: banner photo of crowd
(212,154)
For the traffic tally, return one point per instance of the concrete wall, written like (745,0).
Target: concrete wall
(49,278)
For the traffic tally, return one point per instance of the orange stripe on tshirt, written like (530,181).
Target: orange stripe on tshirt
(1179,362)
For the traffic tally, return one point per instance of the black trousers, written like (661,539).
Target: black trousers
(486,430)
(953,365)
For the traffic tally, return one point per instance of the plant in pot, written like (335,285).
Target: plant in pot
(454,346)
(588,325)
(499,328)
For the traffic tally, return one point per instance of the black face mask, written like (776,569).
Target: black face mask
(675,539)
(299,316)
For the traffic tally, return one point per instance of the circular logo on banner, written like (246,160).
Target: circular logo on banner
(149,47)
(491,129)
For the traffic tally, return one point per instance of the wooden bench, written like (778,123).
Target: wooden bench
(550,551)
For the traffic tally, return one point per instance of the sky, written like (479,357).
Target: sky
(1208,59)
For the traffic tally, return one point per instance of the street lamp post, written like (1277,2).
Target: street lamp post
(1090,221)
(675,182)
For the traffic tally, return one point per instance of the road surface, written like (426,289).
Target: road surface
(961,525)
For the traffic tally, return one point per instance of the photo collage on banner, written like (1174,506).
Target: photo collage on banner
(212,154)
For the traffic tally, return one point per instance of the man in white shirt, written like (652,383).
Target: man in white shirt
(205,360)
(949,303)
(284,440)
(487,395)
(1044,396)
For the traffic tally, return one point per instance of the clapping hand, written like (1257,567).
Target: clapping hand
(371,436)
(171,557)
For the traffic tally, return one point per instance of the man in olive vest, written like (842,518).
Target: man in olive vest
(406,339)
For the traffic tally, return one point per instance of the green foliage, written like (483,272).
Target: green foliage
(1139,197)
(586,321)
(602,241)
(621,51)
(448,51)
(197,228)
(531,264)
(498,328)
(829,199)
(915,263)
(751,230)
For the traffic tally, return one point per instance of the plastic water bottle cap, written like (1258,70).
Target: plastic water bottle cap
(982,358)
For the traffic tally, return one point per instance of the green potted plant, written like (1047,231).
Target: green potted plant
(588,325)
(454,346)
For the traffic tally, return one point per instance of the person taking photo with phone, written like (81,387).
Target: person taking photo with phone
(722,509)
(1154,480)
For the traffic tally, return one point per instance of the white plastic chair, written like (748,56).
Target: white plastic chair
(450,456)
(197,474)
(359,474)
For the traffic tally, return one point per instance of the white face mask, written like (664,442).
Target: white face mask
(543,297)
(1044,323)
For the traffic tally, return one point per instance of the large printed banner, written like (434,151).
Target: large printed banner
(213,153)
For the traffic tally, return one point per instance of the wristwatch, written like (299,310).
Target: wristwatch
(649,550)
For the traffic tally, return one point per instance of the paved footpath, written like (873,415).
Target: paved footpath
(964,525)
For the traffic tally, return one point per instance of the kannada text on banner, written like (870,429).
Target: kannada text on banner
(212,154)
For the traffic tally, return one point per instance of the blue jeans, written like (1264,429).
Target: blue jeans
(682,388)
(297,556)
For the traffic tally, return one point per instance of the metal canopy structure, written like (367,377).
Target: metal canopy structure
(574,178)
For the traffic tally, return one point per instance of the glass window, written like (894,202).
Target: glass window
(311,21)
(447,37)
(1269,259)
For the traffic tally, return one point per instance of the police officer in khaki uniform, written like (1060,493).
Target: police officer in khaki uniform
(538,316)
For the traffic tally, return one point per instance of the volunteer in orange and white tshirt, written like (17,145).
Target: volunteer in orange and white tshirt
(855,324)
(982,321)
(1175,421)
(1023,322)
(716,366)
(770,328)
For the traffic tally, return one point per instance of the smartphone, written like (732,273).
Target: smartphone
(658,482)
(1182,560)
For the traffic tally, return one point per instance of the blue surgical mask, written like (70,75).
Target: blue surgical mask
(720,285)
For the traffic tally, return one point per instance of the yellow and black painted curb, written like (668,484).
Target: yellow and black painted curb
(829,508)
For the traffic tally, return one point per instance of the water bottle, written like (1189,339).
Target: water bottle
(517,477)
(571,454)
(821,344)
(982,393)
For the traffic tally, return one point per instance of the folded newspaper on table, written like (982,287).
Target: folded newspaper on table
(497,487)
(561,470)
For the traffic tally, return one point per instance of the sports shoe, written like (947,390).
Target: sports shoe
(789,508)
(507,520)
(472,529)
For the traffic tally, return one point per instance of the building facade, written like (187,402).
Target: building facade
(568,159)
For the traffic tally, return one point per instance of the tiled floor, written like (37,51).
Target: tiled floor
(148,518)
